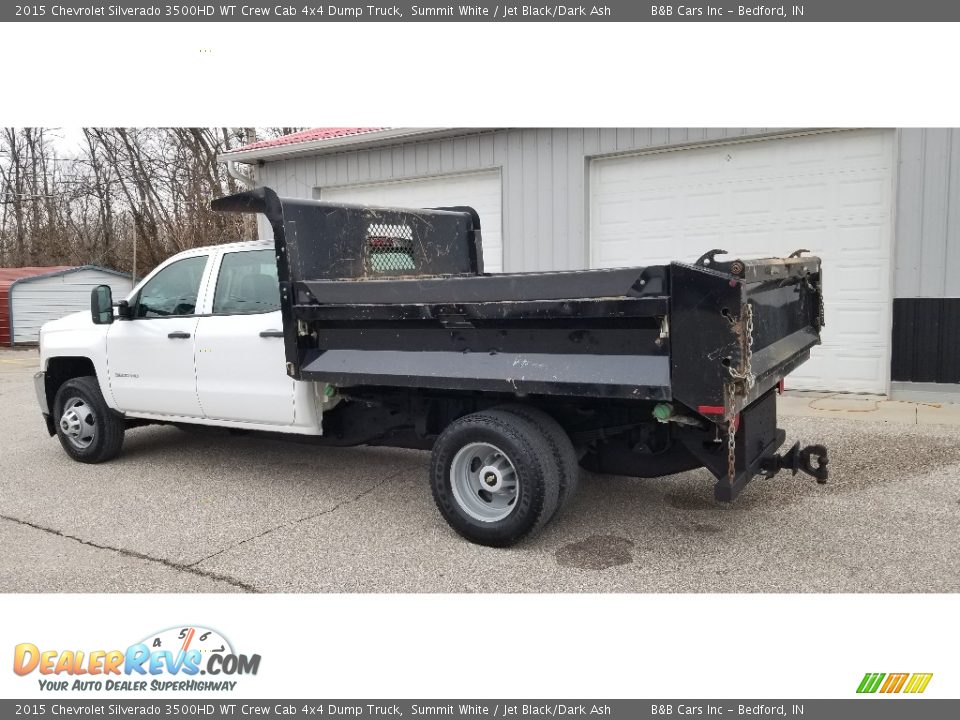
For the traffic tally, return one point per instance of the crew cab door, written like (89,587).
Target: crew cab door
(150,357)
(241,366)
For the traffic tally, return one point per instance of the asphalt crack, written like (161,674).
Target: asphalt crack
(297,521)
(246,587)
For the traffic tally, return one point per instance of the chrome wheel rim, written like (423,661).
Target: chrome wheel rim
(78,423)
(484,482)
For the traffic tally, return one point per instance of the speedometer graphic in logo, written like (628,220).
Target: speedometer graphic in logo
(185,638)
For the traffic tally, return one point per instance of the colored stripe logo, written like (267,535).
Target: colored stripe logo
(913,683)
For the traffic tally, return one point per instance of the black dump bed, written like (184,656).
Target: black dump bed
(398,298)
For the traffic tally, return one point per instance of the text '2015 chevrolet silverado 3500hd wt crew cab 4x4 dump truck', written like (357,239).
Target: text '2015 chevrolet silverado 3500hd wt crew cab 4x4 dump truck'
(362,325)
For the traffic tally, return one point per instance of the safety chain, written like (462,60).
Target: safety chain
(747,375)
(730,418)
(731,450)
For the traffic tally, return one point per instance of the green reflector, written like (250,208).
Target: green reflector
(662,411)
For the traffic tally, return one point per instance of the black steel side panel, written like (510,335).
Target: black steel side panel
(523,339)
(600,312)
(616,283)
(608,376)
(926,340)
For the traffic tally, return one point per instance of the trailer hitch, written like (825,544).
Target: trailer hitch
(812,459)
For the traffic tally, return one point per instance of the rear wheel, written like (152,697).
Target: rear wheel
(88,430)
(493,477)
(564,455)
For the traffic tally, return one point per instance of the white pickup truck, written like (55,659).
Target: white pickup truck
(203,345)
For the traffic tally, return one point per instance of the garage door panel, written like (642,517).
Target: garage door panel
(833,367)
(703,239)
(872,147)
(867,239)
(653,209)
(865,282)
(614,212)
(809,236)
(806,197)
(861,194)
(806,152)
(481,191)
(751,243)
(704,206)
(863,324)
(757,201)
(830,193)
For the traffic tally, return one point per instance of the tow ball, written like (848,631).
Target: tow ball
(812,459)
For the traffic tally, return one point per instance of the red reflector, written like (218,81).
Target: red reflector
(710,409)
(781,386)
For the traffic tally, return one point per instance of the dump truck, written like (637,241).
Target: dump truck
(380,327)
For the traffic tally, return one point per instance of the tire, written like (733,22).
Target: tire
(500,449)
(88,430)
(561,447)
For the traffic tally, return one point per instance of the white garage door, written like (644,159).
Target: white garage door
(481,191)
(829,192)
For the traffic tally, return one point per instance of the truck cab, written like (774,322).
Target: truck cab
(199,340)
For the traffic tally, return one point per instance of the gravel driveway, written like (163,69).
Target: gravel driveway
(205,512)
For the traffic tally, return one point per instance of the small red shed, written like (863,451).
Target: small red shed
(8,276)
(31,296)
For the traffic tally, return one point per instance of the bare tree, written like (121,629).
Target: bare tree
(128,198)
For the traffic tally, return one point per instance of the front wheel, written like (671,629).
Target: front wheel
(493,477)
(88,430)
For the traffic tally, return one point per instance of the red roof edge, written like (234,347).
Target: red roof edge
(304,136)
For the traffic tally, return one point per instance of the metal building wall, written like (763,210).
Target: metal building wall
(927,247)
(926,308)
(544,174)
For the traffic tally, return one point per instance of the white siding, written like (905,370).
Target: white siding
(928,213)
(37,300)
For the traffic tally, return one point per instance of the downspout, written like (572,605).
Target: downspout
(245,180)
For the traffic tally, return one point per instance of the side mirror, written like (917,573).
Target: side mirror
(101,305)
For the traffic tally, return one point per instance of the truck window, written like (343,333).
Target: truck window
(247,283)
(172,291)
(390,249)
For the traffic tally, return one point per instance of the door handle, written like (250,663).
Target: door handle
(271,333)
(178,335)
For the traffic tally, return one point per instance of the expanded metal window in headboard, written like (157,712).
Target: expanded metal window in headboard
(389,249)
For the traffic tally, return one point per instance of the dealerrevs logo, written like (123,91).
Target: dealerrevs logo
(172,659)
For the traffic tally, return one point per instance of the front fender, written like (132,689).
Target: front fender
(63,342)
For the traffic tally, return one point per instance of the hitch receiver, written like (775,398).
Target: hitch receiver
(812,459)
